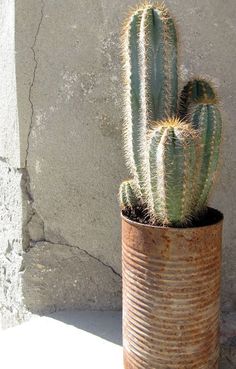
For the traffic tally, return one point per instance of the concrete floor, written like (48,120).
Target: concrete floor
(81,340)
(68,340)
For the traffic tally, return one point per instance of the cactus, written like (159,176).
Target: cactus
(206,119)
(195,90)
(150,62)
(172,163)
(171,147)
(127,195)
(199,104)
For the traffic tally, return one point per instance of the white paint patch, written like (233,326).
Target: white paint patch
(38,167)
(114,78)
(69,79)
(40,118)
(52,108)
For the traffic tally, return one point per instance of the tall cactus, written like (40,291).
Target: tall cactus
(150,62)
(171,147)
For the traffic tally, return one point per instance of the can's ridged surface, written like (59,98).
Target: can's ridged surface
(171,287)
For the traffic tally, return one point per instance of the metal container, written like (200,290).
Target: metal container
(171,288)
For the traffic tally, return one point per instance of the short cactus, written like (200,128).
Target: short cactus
(196,90)
(172,163)
(171,146)
(127,195)
(206,119)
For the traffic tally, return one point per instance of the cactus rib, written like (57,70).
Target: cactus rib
(150,60)
(172,155)
(196,90)
(206,118)
(127,194)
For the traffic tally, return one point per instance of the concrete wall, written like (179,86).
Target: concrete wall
(11,305)
(64,146)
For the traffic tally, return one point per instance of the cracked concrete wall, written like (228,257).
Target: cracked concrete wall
(65,154)
(70,206)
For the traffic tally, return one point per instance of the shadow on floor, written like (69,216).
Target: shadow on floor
(107,324)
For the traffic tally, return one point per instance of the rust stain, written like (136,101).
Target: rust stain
(171,288)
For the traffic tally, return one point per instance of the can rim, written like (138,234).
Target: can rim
(219,220)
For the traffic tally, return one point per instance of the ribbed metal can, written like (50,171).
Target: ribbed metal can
(171,293)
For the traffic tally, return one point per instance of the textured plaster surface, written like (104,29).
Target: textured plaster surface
(11,306)
(9,128)
(68,148)
(61,275)
(228,341)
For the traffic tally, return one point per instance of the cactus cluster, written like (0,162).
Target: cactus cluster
(171,142)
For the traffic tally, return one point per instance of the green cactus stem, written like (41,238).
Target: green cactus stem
(150,68)
(172,160)
(127,195)
(194,91)
(206,120)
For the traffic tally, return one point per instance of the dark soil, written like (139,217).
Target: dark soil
(209,217)
(137,214)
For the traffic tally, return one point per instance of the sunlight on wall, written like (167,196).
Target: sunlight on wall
(10,176)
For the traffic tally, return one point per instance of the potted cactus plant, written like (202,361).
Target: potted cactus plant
(171,239)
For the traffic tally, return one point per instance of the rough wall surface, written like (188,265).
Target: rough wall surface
(11,305)
(69,142)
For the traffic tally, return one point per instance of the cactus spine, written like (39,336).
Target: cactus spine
(195,90)
(171,148)
(150,61)
(172,161)
(206,119)
(127,194)
(199,105)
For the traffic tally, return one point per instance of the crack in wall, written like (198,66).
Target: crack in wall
(25,183)
(26,186)
(29,211)
(34,243)
(33,80)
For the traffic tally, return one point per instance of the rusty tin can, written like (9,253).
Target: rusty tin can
(171,293)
